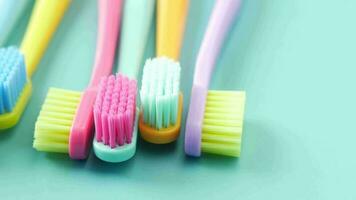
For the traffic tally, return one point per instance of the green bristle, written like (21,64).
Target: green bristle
(55,120)
(223,122)
(160,92)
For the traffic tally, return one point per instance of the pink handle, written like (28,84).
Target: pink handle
(219,23)
(109,20)
(81,133)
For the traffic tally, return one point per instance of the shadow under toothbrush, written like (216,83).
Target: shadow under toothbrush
(63,160)
(146,148)
(7,134)
(92,164)
(95,165)
(260,153)
(212,160)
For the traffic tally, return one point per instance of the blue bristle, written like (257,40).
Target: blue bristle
(12,77)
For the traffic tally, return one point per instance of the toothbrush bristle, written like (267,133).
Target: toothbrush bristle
(12,78)
(55,120)
(160,92)
(223,122)
(115,110)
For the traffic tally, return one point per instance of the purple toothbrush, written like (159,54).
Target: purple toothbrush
(215,118)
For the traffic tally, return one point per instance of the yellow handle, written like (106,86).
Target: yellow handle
(45,18)
(171,15)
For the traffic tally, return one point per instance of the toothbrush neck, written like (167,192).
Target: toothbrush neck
(220,20)
(108,28)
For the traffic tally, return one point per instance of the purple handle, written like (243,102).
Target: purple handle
(220,21)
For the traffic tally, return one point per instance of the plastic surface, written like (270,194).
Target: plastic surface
(55,120)
(136,23)
(163,135)
(221,18)
(10,13)
(45,18)
(119,153)
(171,16)
(81,133)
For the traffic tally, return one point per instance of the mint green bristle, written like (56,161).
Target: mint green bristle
(166,109)
(160,92)
(223,123)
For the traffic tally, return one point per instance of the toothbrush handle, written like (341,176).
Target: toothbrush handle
(220,20)
(171,16)
(45,18)
(219,23)
(10,13)
(137,18)
(109,20)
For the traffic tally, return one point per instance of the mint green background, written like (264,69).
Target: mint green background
(296,61)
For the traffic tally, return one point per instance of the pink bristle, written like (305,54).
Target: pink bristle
(127,128)
(98,108)
(106,112)
(112,124)
(112,135)
(104,119)
(128,135)
(114,110)
(120,135)
(98,128)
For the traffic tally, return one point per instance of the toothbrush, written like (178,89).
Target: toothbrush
(65,123)
(10,13)
(115,117)
(161,100)
(115,112)
(18,66)
(215,118)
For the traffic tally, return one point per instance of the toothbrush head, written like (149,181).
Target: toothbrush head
(221,128)
(65,123)
(115,118)
(161,101)
(53,125)
(15,87)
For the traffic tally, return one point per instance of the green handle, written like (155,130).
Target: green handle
(136,24)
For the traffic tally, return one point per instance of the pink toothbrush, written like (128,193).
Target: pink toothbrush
(214,122)
(66,120)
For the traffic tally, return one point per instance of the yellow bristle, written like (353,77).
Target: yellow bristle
(223,123)
(55,120)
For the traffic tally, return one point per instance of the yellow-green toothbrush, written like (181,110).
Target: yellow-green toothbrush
(18,66)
